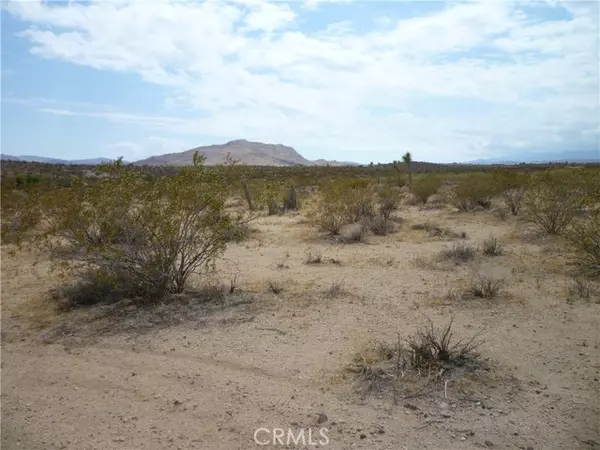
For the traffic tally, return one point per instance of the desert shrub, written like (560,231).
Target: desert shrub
(238,232)
(140,236)
(313,257)
(426,357)
(459,253)
(276,287)
(354,232)
(492,247)
(485,287)
(585,237)
(290,200)
(389,201)
(424,187)
(474,191)
(512,187)
(345,202)
(20,214)
(380,226)
(581,289)
(553,202)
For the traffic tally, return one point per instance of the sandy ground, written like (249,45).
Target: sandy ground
(279,361)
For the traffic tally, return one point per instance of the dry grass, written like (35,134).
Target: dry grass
(485,286)
(492,247)
(412,365)
(458,253)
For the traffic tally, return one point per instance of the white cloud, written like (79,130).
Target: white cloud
(253,72)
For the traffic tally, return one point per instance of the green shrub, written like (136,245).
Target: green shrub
(424,187)
(585,237)
(474,191)
(552,202)
(346,202)
(141,236)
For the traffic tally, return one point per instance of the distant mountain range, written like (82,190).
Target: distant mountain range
(260,154)
(577,156)
(43,159)
(245,152)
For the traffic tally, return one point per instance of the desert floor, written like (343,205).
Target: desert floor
(207,377)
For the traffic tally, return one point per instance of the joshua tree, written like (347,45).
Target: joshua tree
(407,158)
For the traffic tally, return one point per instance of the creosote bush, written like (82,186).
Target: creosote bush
(552,201)
(144,237)
(424,187)
(345,202)
(584,235)
(485,287)
(474,191)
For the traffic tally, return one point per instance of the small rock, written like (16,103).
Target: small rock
(489,444)
(444,406)
(322,418)
(363,436)
(119,439)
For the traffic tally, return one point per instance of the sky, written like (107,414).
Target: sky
(361,81)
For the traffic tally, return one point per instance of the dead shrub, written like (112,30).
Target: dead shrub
(381,226)
(276,287)
(429,356)
(485,286)
(313,257)
(459,253)
(336,289)
(492,247)
(581,288)
(353,233)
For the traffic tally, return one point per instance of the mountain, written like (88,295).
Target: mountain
(43,159)
(241,150)
(577,156)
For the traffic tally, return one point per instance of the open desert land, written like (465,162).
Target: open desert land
(298,345)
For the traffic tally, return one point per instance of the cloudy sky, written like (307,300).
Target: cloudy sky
(337,79)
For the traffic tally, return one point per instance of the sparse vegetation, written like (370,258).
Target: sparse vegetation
(492,247)
(581,289)
(485,286)
(552,202)
(585,237)
(431,355)
(276,287)
(459,253)
(424,187)
(313,257)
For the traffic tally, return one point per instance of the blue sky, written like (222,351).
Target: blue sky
(336,79)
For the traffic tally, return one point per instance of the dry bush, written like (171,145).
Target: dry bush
(431,355)
(276,287)
(581,289)
(290,200)
(313,257)
(238,232)
(437,231)
(424,187)
(485,287)
(336,289)
(381,226)
(353,233)
(552,203)
(492,247)
(459,253)
(584,235)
